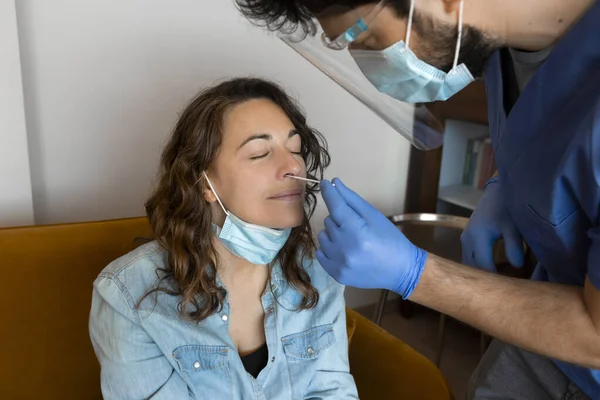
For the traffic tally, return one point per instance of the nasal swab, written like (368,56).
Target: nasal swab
(306,179)
(303,179)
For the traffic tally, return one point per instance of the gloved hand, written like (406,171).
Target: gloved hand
(489,222)
(360,247)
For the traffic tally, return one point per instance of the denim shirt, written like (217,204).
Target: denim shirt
(150,351)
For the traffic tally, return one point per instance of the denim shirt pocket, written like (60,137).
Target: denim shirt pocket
(303,351)
(205,369)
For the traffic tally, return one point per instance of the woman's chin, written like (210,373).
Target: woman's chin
(291,221)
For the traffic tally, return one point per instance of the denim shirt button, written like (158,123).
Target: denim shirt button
(310,350)
(270,310)
(197,365)
(224,317)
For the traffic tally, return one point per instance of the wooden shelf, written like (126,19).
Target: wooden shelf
(468,105)
(461,195)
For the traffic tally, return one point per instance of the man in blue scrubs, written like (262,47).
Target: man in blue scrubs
(541,63)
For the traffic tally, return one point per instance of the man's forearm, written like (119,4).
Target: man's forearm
(546,318)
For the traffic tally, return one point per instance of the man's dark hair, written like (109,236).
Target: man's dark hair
(288,15)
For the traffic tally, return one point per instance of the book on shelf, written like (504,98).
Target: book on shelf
(479,162)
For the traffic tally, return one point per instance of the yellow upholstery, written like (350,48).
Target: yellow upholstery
(46,275)
(386,368)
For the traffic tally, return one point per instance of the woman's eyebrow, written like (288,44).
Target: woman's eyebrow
(258,136)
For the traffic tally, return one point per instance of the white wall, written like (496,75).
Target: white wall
(104,81)
(16,207)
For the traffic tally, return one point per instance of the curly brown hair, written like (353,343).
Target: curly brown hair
(288,15)
(181,217)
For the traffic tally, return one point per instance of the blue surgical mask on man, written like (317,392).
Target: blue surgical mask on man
(257,244)
(398,72)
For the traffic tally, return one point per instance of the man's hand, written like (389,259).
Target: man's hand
(360,247)
(491,221)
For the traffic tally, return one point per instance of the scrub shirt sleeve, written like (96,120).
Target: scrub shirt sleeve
(593,270)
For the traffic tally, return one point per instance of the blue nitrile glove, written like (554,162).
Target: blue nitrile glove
(360,247)
(491,221)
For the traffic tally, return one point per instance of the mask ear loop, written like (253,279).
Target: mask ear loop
(459,35)
(215,193)
(409,25)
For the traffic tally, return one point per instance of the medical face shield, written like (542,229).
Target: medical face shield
(412,120)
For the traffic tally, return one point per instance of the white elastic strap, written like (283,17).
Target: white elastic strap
(459,36)
(215,193)
(409,25)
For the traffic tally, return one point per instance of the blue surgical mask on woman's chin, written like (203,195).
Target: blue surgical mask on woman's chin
(398,72)
(254,243)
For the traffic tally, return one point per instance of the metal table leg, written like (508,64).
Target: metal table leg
(380,306)
(440,340)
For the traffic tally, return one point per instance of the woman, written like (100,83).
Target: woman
(228,302)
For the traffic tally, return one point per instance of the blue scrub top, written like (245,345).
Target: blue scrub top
(548,157)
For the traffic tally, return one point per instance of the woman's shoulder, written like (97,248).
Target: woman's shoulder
(319,278)
(331,293)
(137,270)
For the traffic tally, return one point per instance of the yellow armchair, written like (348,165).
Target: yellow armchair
(45,295)
(384,367)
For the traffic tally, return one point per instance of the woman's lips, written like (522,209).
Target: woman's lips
(287,195)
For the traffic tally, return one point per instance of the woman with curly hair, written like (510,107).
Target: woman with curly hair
(228,301)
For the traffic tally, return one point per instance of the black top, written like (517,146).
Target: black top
(255,362)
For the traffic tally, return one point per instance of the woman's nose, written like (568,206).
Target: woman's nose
(290,164)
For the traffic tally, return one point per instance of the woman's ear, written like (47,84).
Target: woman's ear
(207,193)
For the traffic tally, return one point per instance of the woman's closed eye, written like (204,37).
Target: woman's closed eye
(258,157)
(263,155)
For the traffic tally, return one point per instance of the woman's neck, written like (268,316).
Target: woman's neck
(236,272)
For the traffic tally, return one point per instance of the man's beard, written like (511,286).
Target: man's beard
(437,42)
